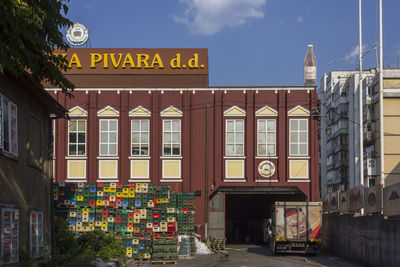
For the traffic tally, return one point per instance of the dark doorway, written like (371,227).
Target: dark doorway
(246,214)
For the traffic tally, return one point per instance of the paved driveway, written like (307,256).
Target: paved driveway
(253,255)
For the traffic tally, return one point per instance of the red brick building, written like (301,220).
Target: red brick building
(148,115)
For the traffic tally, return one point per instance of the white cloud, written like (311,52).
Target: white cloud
(300,19)
(354,52)
(208,17)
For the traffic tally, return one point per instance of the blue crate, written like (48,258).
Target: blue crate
(92,219)
(142,246)
(72,223)
(79,219)
(138,203)
(125,204)
(129,245)
(73,202)
(92,190)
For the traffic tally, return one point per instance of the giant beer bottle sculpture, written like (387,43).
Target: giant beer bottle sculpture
(310,67)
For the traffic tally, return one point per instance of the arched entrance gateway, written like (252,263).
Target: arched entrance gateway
(240,214)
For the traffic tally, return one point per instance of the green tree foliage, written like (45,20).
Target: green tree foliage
(29,31)
(71,251)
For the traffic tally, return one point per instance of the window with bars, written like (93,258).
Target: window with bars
(298,140)
(266,137)
(9,235)
(140,137)
(172,137)
(36,234)
(77,137)
(9,125)
(234,137)
(108,137)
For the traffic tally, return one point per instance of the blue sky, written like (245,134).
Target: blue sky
(250,42)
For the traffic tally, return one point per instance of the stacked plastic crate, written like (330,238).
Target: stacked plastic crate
(138,213)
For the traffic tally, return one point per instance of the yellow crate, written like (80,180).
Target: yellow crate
(131,190)
(171,219)
(113,189)
(79,198)
(128,249)
(119,194)
(138,185)
(158,200)
(104,224)
(125,190)
(170,210)
(99,202)
(85,210)
(125,194)
(91,223)
(165,200)
(132,195)
(106,189)
(136,220)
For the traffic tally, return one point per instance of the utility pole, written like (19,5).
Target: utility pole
(360,91)
(381,132)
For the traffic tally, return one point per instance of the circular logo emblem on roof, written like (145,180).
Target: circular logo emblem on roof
(266,168)
(77,34)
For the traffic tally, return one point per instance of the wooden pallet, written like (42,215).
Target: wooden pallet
(164,262)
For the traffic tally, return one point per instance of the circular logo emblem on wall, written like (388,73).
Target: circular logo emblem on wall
(266,168)
(77,34)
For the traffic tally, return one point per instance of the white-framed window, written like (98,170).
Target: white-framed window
(77,137)
(36,234)
(140,137)
(108,137)
(298,137)
(9,235)
(9,125)
(172,137)
(234,138)
(266,137)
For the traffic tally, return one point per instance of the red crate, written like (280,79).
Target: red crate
(92,203)
(119,185)
(117,219)
(156,215)
(100,184)
(111,203)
